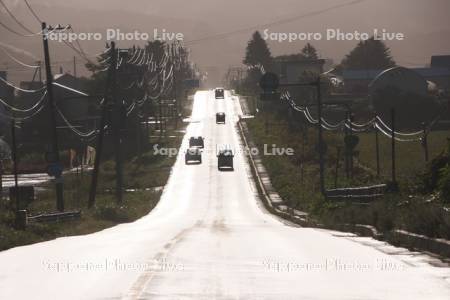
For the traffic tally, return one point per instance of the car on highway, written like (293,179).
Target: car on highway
(193,155)
(225,157)
(220,118)
(196,141)
(219,93)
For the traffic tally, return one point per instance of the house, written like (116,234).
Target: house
(407,80)
(358,81)
(437,75)
(440,61)
(292,69)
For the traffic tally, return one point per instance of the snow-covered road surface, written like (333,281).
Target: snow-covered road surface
(210,238)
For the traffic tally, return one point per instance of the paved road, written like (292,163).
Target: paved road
(210,238)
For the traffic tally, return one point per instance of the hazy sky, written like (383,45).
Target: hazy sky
(426,24)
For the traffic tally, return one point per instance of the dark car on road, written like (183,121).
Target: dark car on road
(220,118)
(219,93)
(225,157)
(193,155)
(197,141)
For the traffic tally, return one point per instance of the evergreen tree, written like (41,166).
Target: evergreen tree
(309,52)
(369,54)
(257,52)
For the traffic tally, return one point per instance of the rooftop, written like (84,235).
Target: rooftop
(371,74)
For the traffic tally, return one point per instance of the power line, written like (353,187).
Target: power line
(21,119)
(32,12)
(78,52)
(14,18)
(19,61)
(20,89)
(25,110)
(274,23)
(73,127)
(15,32)
(374,123)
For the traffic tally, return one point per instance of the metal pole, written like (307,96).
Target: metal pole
(20,215)
(350,115)
(99,148)
(347,163)
(394,177)
(377,151)
(14,158)
(425,141)
(40,71)
(74,67)
(302,166)
(337,167)
(139,133)
(116,130)
(160,118)
(175,96)
(55,150)
(321,143)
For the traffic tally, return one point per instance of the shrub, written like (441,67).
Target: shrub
(112,213)
(437,175)
(444,184)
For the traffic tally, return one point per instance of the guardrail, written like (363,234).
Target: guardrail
(54,217)
(363,194)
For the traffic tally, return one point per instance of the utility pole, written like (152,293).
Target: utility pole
(336,171)
(377,151)
(139,132)
(54,154)
(347,150)
(394,177)
(425,141)
(101,134)
(321,143)
(14,159)
(40,71)
(350,154)
(116,128)
(177,109)
(74,66)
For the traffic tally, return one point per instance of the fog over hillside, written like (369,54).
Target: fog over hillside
(424,23)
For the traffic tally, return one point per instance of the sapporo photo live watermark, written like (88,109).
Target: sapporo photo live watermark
(267,150)
(115,34)
(333,34)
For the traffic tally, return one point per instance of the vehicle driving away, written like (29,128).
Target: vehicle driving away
(193,155)
(225,157)
(196,141)
(220,93)
(225,150)
(220,118)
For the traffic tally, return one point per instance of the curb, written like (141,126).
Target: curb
(271,200)
(416,241)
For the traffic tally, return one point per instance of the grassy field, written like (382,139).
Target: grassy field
(296,178)
(410,155)
(143,181)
